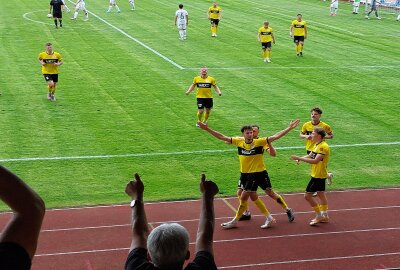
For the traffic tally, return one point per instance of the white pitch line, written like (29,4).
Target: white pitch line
(25,16)
(135,40)
(311,260)
(179,153)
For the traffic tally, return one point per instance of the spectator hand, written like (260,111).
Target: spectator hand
(208,187)
(135,188)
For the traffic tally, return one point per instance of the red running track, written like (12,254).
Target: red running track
(363,233)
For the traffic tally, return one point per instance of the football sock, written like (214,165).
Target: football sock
(184,33)
(260,205)
(264,54)
(206,116)
(281,202)
(75,14)
(246,204)
(118,9)
(213,30)
(242,207)
(323,208)
(55,22)
(199,116)
(60,23)
(301,47)
(297,49)
(317,209)
(268,54)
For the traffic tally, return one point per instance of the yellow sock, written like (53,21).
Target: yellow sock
(323,207)
(317,210)
(242,207)
(213,30)
(53,90)
(199,116)
(246,204)
(260,205)
(206,115)
(281,202)
(297,48)
(301,48)
(264,54)
(268,53)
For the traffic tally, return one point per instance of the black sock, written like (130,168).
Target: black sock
(55,22)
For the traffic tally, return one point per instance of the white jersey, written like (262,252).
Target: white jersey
(181,16)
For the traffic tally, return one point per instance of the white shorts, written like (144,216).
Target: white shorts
(132,1)
(80,6)
(356,4)
(335,5)
(112,2)
(181,25)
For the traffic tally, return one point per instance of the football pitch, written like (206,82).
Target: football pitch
(121,106)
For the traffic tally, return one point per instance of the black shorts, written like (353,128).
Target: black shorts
(13,256)
(251,181)
(57,15)
(266,45)
(51,77)
(316,184)
(204,103)
(214,21)
(297,39)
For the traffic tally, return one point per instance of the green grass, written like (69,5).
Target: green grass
(116,97)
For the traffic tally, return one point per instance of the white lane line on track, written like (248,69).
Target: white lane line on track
(218,218)
(234,240)
(312,260)
(298,67)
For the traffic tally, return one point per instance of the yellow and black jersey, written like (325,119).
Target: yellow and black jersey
(250,155)
(214,12)
(50,59)
(204,86)
(265,34)
(320,170)
(299,28)
(308,128)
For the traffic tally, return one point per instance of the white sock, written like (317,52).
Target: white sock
(117,8)
(75,14)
